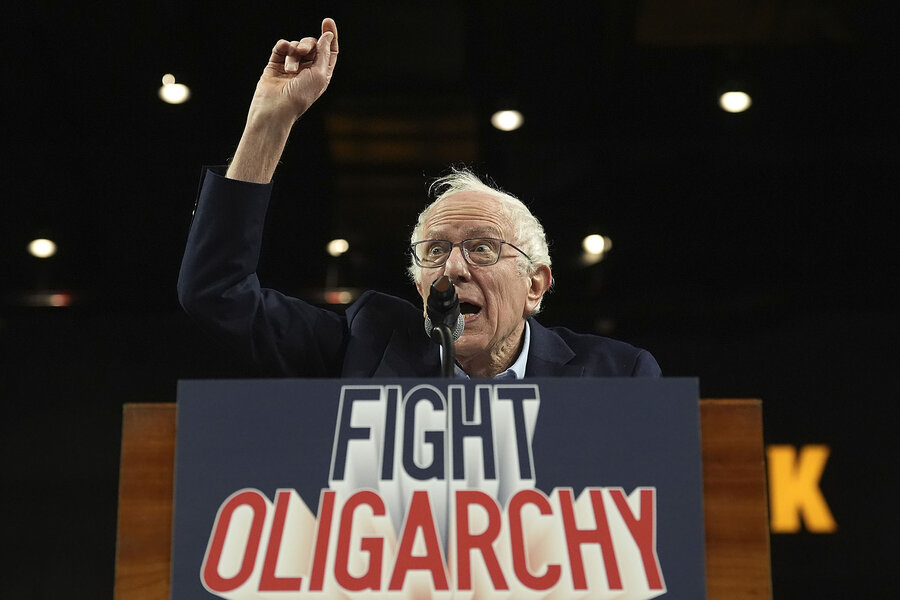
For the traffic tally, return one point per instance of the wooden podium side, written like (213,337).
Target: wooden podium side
(735,501)
(734,493)
(146,485)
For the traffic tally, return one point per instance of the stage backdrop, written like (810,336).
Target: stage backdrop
(438,488)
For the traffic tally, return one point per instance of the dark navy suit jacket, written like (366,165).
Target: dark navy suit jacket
(380,335)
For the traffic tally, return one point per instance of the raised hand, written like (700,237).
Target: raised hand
(297,74)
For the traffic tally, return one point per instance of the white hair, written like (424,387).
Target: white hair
(527,232)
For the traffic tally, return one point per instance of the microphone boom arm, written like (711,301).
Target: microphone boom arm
(442,335)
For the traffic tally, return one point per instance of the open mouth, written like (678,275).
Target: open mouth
(468,310)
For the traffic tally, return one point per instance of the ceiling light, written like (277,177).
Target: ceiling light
(596,244)
(337,247)
(507,120)
(42,248)
(171,92)
(735,102)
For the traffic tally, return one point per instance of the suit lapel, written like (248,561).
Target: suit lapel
(549,355)
(421,358)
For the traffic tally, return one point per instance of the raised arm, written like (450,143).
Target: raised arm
(296,75)
(217,284)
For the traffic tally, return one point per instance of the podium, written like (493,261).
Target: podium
(734,494)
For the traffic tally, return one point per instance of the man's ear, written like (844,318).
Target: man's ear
(539,283)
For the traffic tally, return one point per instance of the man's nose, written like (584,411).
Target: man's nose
(457,268)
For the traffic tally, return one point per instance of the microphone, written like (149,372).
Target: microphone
(442,308)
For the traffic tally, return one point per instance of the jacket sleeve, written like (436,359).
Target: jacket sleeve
(217,285)
(646,366)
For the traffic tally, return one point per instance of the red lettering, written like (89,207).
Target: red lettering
(575,537)
(371,580)
(269,582)
(517,540)
(254,500)
(419,518)
(323,533)
(483,542)
(643,531)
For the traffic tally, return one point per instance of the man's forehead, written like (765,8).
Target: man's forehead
(467,229)
(470,214)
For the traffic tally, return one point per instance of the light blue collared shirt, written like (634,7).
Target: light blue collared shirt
(516,370)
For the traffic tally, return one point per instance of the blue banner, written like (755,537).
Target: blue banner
(587,488)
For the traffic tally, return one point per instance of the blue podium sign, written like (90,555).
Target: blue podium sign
(562,488)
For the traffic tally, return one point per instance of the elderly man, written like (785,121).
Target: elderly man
(485,240)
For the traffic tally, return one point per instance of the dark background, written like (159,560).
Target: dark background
(755,251)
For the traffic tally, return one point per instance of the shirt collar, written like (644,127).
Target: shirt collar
(516,370)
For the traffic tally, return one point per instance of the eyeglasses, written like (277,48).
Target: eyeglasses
(481,252)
